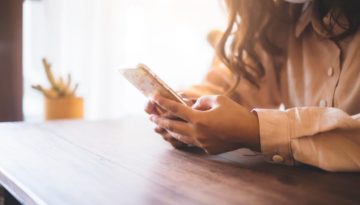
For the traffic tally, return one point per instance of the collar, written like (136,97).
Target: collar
(310,15)
(304,19)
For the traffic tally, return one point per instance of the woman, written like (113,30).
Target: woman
(299,53)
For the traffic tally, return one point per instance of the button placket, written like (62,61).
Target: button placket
(333,74)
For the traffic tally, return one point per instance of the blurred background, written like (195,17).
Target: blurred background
(92,39)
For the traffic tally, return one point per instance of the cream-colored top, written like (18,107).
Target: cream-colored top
(319,85)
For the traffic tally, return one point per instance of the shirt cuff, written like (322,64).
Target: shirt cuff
(275,136)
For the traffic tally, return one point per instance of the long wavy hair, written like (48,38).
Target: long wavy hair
(255,24)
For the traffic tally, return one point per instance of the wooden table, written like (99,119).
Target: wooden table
(124,162)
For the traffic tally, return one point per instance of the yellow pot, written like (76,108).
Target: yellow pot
(64,108)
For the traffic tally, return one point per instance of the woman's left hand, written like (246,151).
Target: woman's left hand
(214,123)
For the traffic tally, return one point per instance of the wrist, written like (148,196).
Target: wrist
(255,133)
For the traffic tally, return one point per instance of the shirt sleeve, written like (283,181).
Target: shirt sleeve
(327,138)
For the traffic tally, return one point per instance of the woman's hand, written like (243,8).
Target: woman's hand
(152,109)
(215,123)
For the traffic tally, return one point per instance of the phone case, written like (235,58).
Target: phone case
(149,83)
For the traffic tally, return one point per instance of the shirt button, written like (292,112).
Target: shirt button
(322,103)
(277,158)
(330,71)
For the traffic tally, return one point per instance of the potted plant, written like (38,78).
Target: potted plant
(61,101)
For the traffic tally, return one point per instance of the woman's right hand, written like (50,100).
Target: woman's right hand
(152,109)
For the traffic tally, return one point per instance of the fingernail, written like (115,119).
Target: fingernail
(153,118)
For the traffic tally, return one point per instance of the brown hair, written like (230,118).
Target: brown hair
(254,24)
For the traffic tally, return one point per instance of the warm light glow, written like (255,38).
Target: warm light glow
(92,39)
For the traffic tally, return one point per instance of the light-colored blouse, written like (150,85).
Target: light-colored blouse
(319,86)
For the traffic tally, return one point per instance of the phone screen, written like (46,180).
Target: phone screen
(149,83)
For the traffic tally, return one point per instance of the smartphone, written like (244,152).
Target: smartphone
(149,84)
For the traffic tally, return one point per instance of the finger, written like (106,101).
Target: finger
(189,101)
(169,138)
(172,136)
(188,94)
(165,135)
(206,102)
(178,109)
(160,130)
(160,110)
(183,94)
(176,126)
(170,116)
(182,138)
(150,107)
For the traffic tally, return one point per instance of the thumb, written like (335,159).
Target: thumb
(189,101)
(207,102)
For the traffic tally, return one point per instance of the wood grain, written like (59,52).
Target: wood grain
(124,162)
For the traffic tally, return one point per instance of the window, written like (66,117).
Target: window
(92,39)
